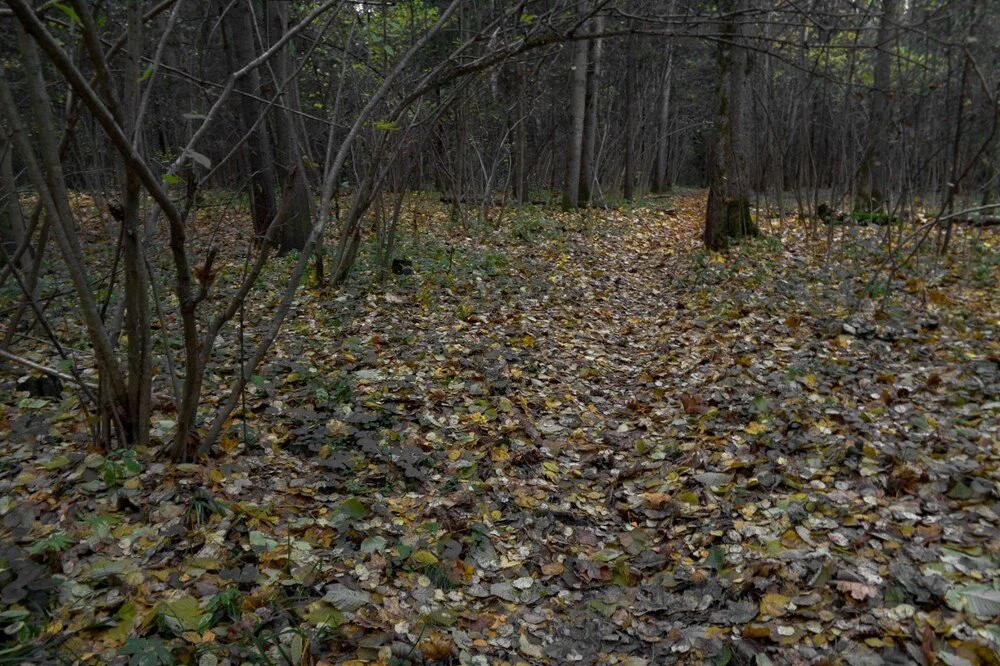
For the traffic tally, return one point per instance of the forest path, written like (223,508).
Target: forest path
(618,447)
(582,441)
(641,450)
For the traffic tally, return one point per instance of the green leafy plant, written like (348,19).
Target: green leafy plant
(54,543)
(147,652)
(224,605)
(203,506)
(114,470)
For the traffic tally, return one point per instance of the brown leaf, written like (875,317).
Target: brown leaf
(691,403)
(553,568)
(858,591)
(756,631)
(436,646)
(927,646)
(656,501)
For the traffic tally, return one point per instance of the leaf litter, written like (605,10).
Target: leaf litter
(597,446)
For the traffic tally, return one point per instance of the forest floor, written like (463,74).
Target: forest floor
(576,440)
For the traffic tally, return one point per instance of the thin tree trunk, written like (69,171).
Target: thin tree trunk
(727,215)
(288,159)
(520,138)
(587,167)
(574,143)
(51,188)
(257,149)
(872,182)
(139,349)
(660,180)
(12,232)
(628,187)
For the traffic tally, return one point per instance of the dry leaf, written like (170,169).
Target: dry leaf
(858,591)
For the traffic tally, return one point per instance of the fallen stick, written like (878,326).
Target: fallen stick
(41,368)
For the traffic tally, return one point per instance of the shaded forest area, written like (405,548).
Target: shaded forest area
(611,332)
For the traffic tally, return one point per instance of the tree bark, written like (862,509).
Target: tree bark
(139,348)
(11,218)
(257,149)
(520,137)
(628,188)
(574,143)
(727,216)
(660,165)
(587,168)
(294,232)
(872,184)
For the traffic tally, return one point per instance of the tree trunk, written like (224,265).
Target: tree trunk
(660,165)
(257,149)
(587,169)
(727,216)
(11,219)
(871,188)
(574,144)
(520,138)
(292,235)
(45,171)
(139,348)
(628,188)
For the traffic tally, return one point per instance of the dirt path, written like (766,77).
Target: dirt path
(640,453)
(593,447)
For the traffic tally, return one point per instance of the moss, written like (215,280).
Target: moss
(738,222)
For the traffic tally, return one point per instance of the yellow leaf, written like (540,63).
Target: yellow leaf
(755,428)
(499,454)
(424,556)
(774,605)
(229,444)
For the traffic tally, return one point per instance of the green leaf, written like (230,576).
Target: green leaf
(723,657)
(126,622)
(132,466)
(53,543)
(716,558)
(602,607)
(345,599)
(424,556)
(68,11)
(182,615)
(442,617)
(386,125)
(147,652)
(56,462)
(261,540)
(353,508)
(960,491)
(324,615)
(607,555)
(374,544)
(146,74)
(980,600)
